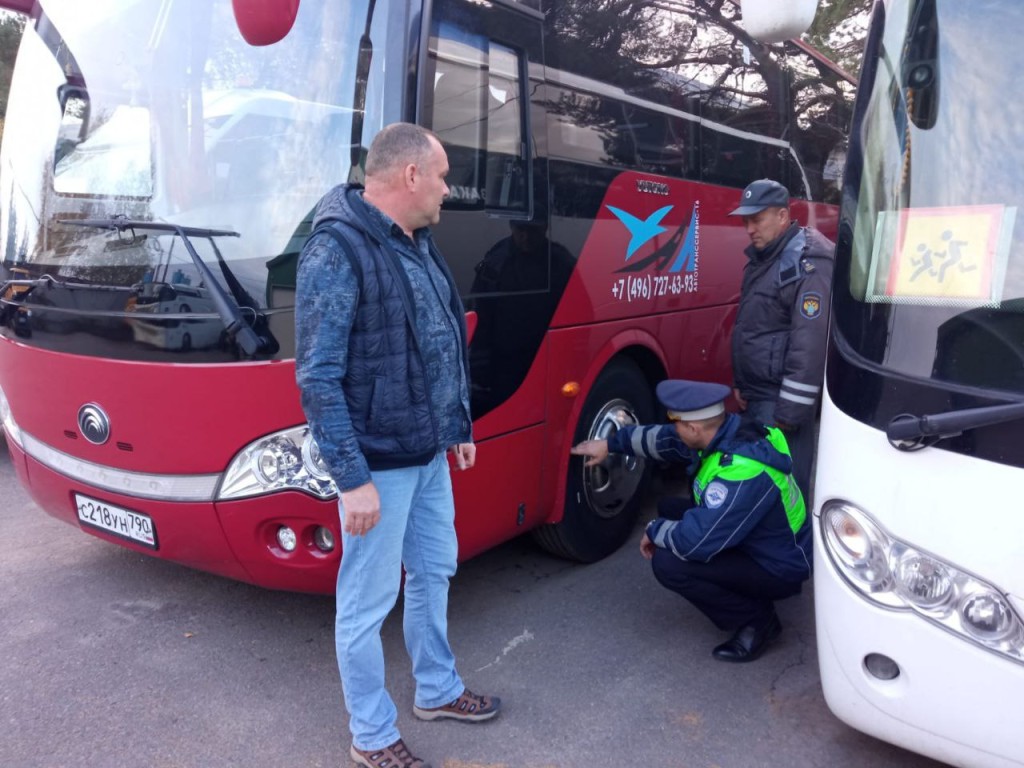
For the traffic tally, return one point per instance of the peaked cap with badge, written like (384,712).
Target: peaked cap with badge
(761,194)
(692,400)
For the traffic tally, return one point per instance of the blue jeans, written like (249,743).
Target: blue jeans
(417,530)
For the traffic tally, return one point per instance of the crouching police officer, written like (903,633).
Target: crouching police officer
(745,540)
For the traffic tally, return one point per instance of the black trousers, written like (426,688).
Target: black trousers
(732,589)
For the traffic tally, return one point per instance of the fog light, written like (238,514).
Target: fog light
(324,539)
(881,666)
(286,538)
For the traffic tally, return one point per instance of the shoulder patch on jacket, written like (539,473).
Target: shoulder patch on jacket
(810,305)
(715,494)
(790,258)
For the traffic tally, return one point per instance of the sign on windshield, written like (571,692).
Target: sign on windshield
(950,256)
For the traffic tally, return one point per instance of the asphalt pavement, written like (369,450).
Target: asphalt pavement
(111,658)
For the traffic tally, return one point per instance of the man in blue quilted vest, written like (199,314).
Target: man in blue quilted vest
(382,367)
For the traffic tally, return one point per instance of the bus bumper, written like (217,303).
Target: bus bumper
(965,714)
(236,539)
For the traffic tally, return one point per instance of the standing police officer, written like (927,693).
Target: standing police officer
(745,541)
(778,343)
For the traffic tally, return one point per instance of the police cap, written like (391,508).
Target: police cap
(761,194)
(692,400)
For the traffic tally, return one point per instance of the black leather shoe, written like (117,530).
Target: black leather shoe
(749,642)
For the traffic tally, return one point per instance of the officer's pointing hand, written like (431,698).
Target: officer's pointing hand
(596,450)
(647,547)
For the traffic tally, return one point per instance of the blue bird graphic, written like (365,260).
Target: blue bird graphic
(641,230)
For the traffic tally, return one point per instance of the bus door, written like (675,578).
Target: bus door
(482,66)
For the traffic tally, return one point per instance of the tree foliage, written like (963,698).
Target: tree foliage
(11,27)
(839,29)
(695,56)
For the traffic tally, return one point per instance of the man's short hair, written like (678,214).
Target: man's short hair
(398,145)
(711,422)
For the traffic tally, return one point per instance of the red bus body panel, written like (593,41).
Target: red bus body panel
(193,419)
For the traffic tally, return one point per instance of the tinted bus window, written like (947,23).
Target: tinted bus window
(476,109)
(763,110)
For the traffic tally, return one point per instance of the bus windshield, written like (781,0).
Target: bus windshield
(932,284)
(158,110)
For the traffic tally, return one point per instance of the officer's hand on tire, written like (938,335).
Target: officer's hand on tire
(595,450)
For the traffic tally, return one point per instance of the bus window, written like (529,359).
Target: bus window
(109,157)
(506,169)
(737,110)
(476,108)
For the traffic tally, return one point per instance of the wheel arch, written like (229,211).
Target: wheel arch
(633,345)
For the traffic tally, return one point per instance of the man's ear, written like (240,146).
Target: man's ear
(410,175)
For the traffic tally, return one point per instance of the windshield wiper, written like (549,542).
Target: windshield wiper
(30,284)
(907,432)
(226,306)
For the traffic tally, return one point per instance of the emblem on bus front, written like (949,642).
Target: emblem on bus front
(93,424)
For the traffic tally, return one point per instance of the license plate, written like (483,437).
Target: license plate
(133,526)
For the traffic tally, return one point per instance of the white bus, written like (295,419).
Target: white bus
(919,542)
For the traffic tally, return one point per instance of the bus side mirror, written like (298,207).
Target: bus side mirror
(264,22)
(773,21)
(920,66)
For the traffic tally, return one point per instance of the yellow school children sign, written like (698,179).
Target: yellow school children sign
(954,255)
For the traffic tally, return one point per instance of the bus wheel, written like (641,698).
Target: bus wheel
(602,502)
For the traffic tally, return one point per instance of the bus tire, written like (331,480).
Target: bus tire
(602,502)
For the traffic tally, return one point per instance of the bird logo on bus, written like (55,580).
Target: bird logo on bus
(672,267)
(679,254)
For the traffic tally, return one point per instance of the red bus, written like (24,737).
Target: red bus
(157,179)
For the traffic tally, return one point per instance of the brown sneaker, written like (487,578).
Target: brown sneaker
(396,755)
(469,708)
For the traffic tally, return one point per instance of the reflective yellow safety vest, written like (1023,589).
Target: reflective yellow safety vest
(742,468)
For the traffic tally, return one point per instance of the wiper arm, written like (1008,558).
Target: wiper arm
(226,307)
(30,284)
(907,432)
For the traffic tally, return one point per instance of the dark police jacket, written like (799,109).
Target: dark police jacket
(778,343)
(748,515)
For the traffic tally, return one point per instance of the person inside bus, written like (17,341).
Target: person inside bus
(778,342)
(516,288)
(381,363)
(744,540)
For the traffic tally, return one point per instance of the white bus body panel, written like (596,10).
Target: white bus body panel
(953,700)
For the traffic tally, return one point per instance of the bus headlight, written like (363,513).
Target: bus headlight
(987,616)
(286,460)
(894,574)
(859,546)
(276,460)
(923,580)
